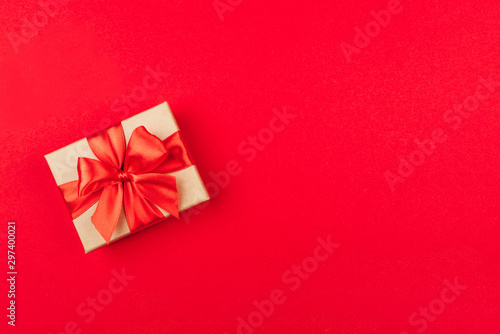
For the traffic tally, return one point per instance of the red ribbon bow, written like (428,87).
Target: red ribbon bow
(134,178)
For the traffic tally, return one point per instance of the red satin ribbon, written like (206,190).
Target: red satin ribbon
(135,178)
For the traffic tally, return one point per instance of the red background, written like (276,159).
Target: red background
(323,175)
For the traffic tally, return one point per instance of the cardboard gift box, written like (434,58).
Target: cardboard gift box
(127,177)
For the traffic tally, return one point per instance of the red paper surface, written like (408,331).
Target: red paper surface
(319,173)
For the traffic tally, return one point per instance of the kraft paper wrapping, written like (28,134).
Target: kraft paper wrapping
(160,122)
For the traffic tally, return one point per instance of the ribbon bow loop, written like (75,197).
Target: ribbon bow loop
(144,152)
(129,177)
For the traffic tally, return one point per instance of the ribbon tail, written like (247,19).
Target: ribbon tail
(138,209)
(108,211)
